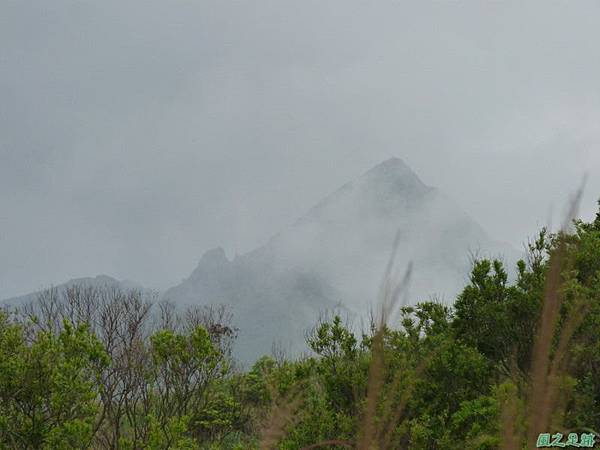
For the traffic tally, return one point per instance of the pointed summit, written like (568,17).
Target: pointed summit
(393,162)
(390,185)
(212,259)
(215,256)
(337,252)
(394,173)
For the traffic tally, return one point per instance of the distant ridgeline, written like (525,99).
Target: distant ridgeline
(333,258)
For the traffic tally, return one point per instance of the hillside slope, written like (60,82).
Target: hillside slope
(334,257)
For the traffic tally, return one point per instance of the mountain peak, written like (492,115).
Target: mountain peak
(394,161)
(338,251)
(214,256)
(211,262)
(394,175)
(395,167)
(386,186)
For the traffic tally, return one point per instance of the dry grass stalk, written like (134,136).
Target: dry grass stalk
(390,293)
(557,367)
(509,436)
(542,396)
(545,370)
(367,435)
(569,328)
(281,415)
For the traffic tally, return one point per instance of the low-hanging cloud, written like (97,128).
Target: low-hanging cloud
(134,136)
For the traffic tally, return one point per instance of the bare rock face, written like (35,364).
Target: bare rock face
(334,257)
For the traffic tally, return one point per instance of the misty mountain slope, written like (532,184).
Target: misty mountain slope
(271,304)
(100,281)
(336,253)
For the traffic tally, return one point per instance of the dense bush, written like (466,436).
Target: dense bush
(106,369)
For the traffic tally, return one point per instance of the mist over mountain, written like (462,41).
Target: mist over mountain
(334,257)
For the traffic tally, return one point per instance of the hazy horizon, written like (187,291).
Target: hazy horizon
(134,137)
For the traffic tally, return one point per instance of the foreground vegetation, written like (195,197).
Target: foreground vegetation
(106,369)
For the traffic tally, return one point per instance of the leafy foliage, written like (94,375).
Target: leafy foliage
(99,369)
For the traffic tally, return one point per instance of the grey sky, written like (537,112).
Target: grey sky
(136,135)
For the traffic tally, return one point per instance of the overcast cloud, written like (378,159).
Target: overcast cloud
(136,135)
